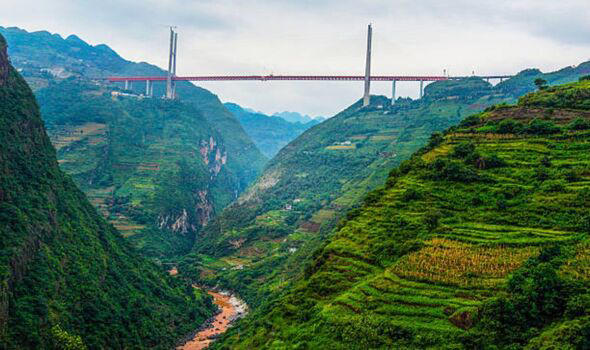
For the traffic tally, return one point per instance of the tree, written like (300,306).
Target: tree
(540,83)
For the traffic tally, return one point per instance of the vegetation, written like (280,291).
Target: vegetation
(68,279)
(479,241)
(158,170)
(259,243)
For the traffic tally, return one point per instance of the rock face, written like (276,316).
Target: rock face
(66,276)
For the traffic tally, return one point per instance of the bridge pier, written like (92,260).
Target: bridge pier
(149,88)
(367,95)
(126,84)
(393,92)
(421,88)
(170,83)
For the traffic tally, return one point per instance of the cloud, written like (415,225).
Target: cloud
(323,36)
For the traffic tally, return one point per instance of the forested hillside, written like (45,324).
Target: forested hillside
(479,241)
(68,279)
(262,240)
(260,243)
(158,170)
(269,133)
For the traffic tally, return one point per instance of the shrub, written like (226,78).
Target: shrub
(472,120)
(445,169)
(488,162)
(571,175)
(541,173)
(553,186)
(579,124)
(541,127)
(431,220)
(509,126)
(578,305)
(435,139)
(463,150)
(411,194)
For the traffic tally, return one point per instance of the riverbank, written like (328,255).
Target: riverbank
(230,309)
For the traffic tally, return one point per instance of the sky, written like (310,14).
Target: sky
(410,37)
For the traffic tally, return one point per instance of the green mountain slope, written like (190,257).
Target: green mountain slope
(479,241)
(260,242)
(270,134)
(68,280)
(158,169)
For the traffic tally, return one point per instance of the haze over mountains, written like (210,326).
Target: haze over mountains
(271,133)
(456,221)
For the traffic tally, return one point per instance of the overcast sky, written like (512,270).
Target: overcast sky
(322,37)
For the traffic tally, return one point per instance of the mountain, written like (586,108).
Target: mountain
(294,117)
(270,134)
(159,170)
(259,245)
(479,241)
(69,280)
(261,241)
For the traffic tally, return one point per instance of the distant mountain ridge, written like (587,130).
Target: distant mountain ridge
(269,133)
(295,117)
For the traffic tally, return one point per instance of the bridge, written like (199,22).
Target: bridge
(171,78)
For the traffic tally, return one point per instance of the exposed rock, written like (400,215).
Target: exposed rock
(204,209)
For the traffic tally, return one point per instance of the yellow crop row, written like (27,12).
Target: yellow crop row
(452,262)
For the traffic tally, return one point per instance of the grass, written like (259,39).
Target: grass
(409,269)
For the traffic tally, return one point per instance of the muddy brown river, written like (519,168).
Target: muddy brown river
(231,308)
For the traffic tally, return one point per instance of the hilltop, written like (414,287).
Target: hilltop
(479,240)
(158,170)
(68,278)
(269,133)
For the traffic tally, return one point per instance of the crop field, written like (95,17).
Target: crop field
(323,215)
(341,147)
(454,263)
(378,138)
(449,230)
(65,136)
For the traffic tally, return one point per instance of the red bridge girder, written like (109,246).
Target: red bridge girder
(295,77)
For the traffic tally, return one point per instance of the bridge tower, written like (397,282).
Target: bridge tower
(171,84)
(367,95)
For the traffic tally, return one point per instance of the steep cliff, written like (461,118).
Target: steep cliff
(67,276)
(140,161)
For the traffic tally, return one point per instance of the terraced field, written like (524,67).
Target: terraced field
(464,222)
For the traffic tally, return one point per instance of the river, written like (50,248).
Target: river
(231,308)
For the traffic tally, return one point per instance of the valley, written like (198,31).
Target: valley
(139,209)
